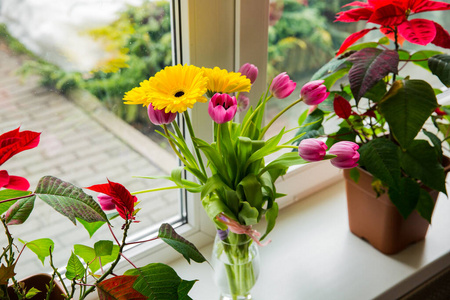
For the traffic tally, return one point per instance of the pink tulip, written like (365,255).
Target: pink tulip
(250,71)
(312,149)
(282,86)
(159,117)
(242,102)
(106,201)
(222,108)
(347,155)
(314,92)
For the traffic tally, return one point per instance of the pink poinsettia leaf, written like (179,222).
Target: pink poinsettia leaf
(442,38)
(18,183)
(351,39)
(354,15)
(427,5)
(369,66)
(418,31)
(4,178)
(388,15)
(342,107)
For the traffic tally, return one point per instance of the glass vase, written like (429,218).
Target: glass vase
(236,266)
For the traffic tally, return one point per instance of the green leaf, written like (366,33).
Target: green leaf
(180,244)
(74,269)
(440,66)
(158,282)
(41,247)
(330,68)
(19,212)
(406,107)
(312,123)
(91,227)
(251,188)
(420,58)
(284,161)
(184,288)
(271,217)
(248,214)
(32,292)
(10,194)
(103,248)
(420,162)
(214,206)
(425,205)
(354,174)
(369,66)
(405,196)
(436,143)
(380,157)
(89,256)
(69,200)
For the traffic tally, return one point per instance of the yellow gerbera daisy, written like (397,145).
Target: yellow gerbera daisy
(222,81)
(174,89)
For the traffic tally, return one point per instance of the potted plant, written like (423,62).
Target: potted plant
(88,268)
(394,117)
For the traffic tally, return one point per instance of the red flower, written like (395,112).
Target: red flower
(394,14)
(121,197)
(13,182)
(14,141)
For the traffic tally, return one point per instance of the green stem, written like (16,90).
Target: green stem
(113,265)
(173,146)
(55,272)
(261,135)
(191,132)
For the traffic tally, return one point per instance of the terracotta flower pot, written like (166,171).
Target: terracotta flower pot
(40,281)
(377,220)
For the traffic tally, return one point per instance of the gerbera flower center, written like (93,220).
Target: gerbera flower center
(179,94)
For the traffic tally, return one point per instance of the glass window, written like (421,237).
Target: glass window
(79,58)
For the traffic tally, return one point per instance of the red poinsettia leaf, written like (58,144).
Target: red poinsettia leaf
(119,288)
(18,183)
(101,188)
(418,31)
(358,3)
(442,38)
(122,198)
(4,178)
(370,113)
(13,142)
(352,39)
(342,107)
(388,15)
(354,15)
(369,66)
(391,35)
(427,5)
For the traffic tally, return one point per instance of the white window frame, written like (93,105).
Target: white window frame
(227,34)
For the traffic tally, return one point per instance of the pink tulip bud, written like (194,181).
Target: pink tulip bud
(282,86)
(250,71)
(314,92)
(159,117)
(222,108)
(312,149)
(242,102)
(106,201)
(347,155)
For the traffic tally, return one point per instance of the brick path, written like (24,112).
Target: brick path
(83,147)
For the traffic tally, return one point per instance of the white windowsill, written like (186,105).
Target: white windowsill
(313,255)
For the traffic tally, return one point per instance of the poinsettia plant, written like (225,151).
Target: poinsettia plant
(385,111)
(88,268)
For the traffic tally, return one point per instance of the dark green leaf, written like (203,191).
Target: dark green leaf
(380,157)
(19,212)
(74,269)
(180,244)
(354,174)
(312,123)
(184,288)
(369,66)
(436,143)
(420,161)
(425,206)
(405,196)
(440,66)
(406,107)
(103,248)
(69,200)
(329,68)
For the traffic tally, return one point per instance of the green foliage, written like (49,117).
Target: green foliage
(41,247)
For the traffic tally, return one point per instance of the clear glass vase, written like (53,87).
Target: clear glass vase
(236,266)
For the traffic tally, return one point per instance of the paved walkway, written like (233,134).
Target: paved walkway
(83,146)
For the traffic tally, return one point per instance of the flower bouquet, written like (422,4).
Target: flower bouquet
(88,268)
(236,184)
(384,110)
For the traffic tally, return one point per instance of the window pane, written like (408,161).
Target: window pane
(106,48)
